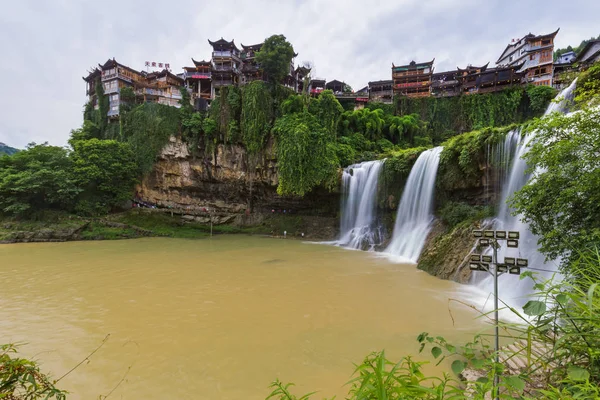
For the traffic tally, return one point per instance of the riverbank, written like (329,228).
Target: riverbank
(59,227)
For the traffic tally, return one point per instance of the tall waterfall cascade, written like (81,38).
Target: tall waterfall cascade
(359,228)
(512,288)
(415,212)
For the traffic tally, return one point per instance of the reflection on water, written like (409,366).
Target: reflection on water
(215,319)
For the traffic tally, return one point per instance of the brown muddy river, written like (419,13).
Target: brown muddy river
(217,318)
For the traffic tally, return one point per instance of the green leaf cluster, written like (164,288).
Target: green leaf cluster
(96,176)
(275,57)
(561,202)
(306,154)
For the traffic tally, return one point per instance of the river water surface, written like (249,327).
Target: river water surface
(217,318)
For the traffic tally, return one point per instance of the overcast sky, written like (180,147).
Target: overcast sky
(47,46)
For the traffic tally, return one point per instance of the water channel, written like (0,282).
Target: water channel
(217,318)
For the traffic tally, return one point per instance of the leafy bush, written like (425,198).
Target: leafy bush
(463,155)
(455,213)
(306,154)
(588,87)
(540,97)
(21,379)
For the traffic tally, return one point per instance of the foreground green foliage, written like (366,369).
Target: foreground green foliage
(21,379)
(562,203)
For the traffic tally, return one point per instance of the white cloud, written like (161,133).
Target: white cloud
(47,47)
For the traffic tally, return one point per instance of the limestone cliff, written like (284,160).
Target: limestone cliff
(224,183)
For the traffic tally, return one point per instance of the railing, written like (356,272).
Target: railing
(217,67)
(222,83)
(316,90)
(411,84)
(112,89)
(197,75)
(410,73)
(375,92)
(225,54)
(106,77)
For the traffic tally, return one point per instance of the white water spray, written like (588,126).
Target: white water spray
(415,212)
(359,227)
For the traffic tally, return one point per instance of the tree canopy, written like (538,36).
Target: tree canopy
(562,201)
(275,57)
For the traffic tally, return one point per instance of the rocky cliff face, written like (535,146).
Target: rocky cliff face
(225,183)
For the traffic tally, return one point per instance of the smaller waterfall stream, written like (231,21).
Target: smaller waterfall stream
(359,227)
(415,212)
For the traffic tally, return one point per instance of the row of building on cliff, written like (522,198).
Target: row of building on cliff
(528,60)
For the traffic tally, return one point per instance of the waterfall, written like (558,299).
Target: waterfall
(511,287)
(415,212)
(359,227)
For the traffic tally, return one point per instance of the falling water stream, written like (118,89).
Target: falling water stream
(359,228)
(415,212)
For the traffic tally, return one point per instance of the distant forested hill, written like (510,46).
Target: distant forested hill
(4,149)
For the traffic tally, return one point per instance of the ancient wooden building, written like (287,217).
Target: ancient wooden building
(381,91)
(445,84)
(535,55)
(412,80)
(226,64)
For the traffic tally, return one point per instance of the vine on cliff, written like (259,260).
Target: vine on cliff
(305,153)
(256,115)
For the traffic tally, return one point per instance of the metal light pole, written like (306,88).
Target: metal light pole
(480,262)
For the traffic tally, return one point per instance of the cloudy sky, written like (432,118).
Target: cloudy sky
(47,46)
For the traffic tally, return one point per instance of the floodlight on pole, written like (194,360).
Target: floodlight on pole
(512,243)
(511,265)
(522,262)
(502,268)
(513,235)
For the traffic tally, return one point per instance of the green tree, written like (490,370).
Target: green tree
(328,111)
(275,57)
(89,130)
(562,202)
(105,173)
(306,154)
(36,179)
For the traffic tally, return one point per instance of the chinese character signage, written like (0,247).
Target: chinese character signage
(155,64)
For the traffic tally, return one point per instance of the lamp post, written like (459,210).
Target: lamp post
(511,265)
